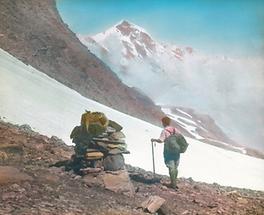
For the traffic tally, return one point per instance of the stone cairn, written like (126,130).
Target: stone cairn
(99,144)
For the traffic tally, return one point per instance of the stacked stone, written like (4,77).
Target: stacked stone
(100,147)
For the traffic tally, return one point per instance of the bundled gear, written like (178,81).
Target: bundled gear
(94,122)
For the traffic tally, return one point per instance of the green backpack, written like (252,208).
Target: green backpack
(174,145)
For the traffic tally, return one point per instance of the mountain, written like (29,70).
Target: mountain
(28,96)
(229,90)
(126,45)
(135,42)
(33,31)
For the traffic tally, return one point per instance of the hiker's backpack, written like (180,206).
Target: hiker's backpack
(174,145)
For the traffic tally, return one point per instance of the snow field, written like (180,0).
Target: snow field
(28,96)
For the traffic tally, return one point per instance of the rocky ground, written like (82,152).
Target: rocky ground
(28,185)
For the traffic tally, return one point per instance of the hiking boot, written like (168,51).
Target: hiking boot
(174,186)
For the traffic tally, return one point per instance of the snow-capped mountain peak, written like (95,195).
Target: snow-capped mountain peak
(127,27)
(130,50)
(134,41)
(137,38)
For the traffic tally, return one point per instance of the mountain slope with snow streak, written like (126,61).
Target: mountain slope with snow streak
(31,97)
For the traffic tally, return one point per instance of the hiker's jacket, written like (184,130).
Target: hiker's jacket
(167,131)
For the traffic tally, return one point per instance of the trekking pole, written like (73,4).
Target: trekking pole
(153,158)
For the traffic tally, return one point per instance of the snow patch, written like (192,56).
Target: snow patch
(190,127)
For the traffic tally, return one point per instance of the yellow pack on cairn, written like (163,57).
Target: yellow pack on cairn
(94,122)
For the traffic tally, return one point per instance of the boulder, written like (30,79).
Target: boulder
(119,182)
(152,204)
(114,162)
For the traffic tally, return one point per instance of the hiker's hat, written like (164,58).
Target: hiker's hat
(165,120)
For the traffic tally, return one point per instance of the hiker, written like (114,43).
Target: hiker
(171,156)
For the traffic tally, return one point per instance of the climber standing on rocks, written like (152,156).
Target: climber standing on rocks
(174,144)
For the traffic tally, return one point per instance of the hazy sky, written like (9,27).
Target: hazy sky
(230,27)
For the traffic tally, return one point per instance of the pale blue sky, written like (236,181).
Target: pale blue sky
(230,27)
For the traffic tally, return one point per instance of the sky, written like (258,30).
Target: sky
(214,26)
(43,103)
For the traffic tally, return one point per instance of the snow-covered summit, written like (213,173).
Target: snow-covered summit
(135,42)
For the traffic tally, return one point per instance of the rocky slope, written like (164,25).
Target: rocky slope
(32,31)
(29,186)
